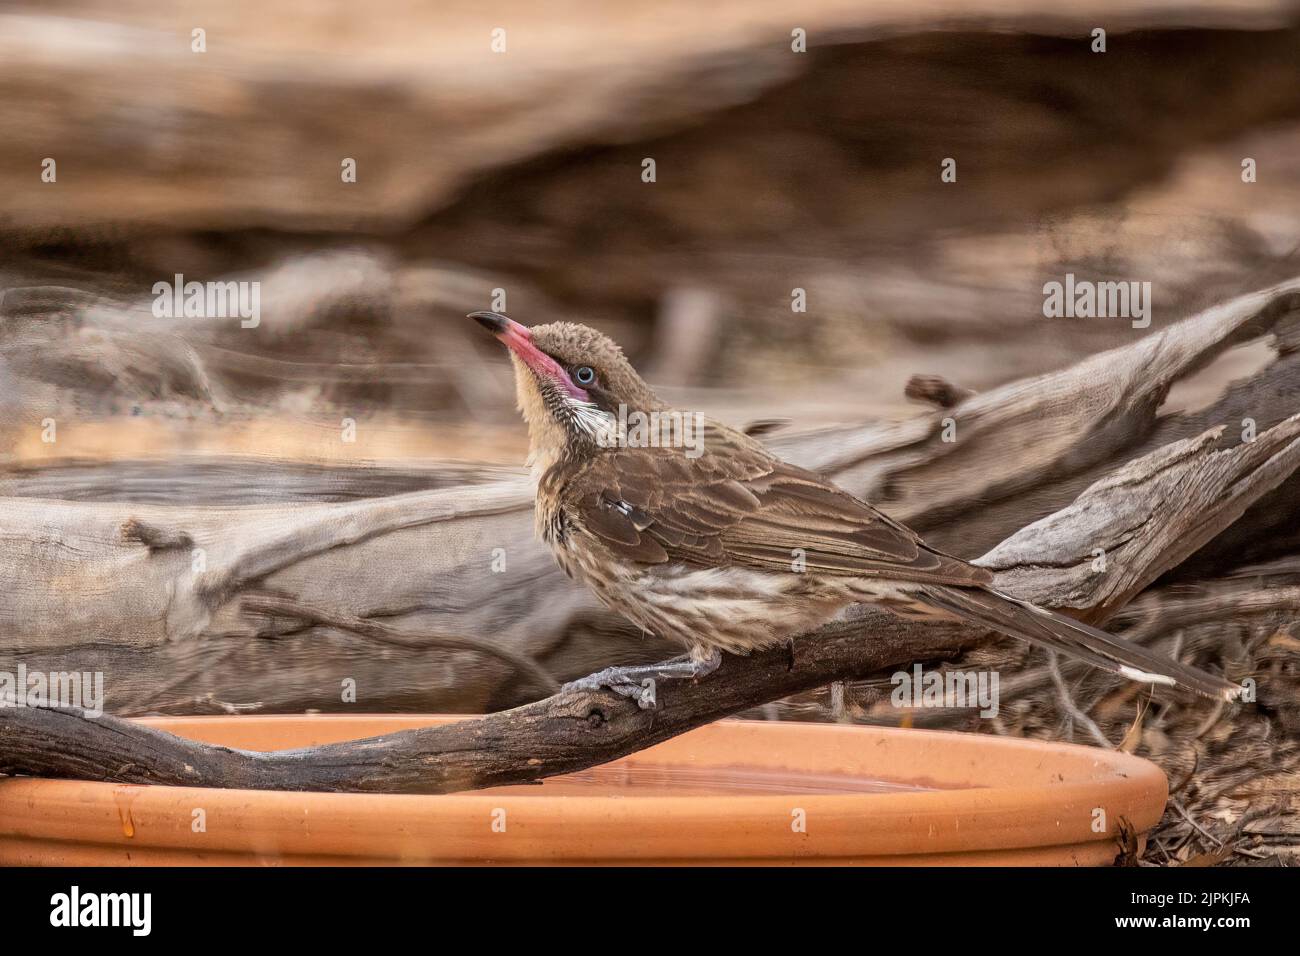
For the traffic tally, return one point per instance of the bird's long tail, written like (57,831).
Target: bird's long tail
(1029,622)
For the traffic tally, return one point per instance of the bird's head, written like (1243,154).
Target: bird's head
(570,382)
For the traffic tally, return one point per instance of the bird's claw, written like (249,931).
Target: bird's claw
(638,682)
(646,699)
(624,681)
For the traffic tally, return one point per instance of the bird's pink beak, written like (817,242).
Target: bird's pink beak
(519,340)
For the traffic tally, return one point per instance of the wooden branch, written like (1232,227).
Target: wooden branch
(574,730)
(1035,430)
(560,734)
(1147,517)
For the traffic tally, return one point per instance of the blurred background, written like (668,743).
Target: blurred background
(796,259)
(522,171)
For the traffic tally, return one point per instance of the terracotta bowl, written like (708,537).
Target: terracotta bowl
(733,792)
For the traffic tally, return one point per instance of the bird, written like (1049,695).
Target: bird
(697,533)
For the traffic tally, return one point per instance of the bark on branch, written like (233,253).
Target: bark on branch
(559,734)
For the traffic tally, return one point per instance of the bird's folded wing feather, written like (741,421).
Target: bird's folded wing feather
(735,505)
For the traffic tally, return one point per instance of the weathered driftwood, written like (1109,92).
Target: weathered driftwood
(1037,432)
(1134,525)
(416,549)
(1184,492)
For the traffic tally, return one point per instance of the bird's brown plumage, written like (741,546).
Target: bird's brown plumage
(722,545)
(737,505)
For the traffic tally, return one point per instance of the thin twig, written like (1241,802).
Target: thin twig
(1071,707)
(271,604)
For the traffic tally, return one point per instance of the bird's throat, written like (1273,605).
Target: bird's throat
(548,440)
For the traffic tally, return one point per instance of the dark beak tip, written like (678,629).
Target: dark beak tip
(494,322)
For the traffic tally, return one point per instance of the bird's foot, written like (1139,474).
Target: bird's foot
(624,681)
(639,682)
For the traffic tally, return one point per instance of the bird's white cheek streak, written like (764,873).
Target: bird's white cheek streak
(598,425)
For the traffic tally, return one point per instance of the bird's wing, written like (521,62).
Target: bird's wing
(735,505)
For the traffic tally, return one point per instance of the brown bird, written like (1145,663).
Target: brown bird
(700,535)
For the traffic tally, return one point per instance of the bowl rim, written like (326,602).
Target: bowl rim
(600,828)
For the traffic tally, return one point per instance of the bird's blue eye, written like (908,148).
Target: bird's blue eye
(584,375)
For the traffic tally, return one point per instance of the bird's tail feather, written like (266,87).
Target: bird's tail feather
(1058,632)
